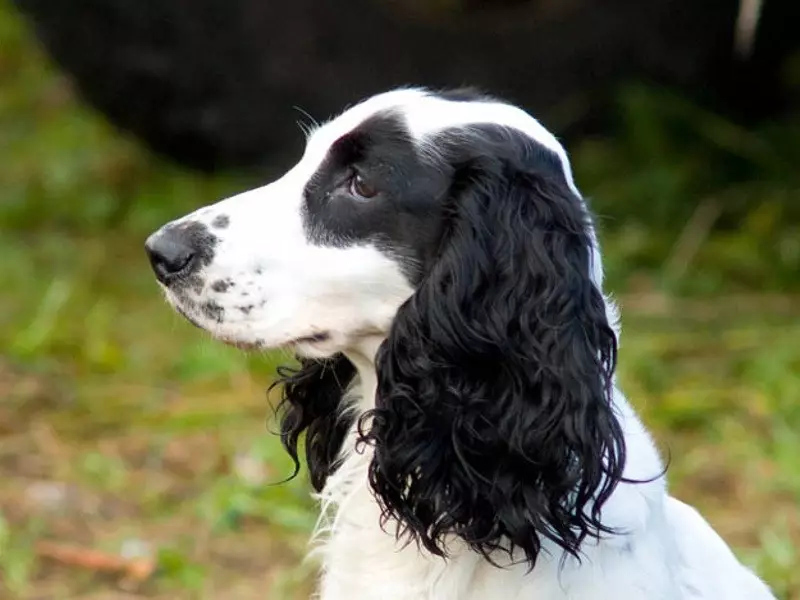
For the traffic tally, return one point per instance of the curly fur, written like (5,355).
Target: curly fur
(310,403)
(495,384)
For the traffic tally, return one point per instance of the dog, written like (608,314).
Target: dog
(436,271)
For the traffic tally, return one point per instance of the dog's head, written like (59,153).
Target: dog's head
(329,252)
(448,228)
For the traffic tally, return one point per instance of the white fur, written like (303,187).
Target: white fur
(298,289)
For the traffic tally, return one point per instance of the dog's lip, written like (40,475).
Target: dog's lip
(311,338)
(241,345)
(314,338)
(322,336)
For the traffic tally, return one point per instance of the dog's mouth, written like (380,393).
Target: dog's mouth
(315,338)
(312,339)
(182,307)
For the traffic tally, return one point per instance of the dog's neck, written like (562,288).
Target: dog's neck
(362,355)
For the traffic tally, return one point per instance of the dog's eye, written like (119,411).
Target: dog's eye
(360,188)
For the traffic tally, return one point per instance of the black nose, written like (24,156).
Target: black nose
(171,254)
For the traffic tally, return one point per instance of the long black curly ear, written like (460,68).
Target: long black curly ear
(494,417)
(311,402)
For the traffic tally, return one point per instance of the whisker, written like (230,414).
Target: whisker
(306,127)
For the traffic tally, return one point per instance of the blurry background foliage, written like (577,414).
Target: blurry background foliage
(124,429)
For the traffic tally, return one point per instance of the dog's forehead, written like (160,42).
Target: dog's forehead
(323,137)
(424,114)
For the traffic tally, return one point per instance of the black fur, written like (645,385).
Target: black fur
(495,384)
(403,218)
(311,403)
(494,419)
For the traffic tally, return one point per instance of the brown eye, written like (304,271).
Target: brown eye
(360,188)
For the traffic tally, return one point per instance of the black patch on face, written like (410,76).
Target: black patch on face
(245,310)
(403,218)
(222,285)
(412,211)
(221,222)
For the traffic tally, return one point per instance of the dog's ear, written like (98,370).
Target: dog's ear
(494,419)
(311,402)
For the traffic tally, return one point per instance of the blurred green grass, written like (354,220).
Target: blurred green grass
(123,427)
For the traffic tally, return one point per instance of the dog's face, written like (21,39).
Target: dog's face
(325,255)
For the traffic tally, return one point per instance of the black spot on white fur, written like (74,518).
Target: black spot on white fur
(213,311)
(221,222)
(222,285)
(627,548)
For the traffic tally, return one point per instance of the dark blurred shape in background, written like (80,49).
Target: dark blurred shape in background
(212,83)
